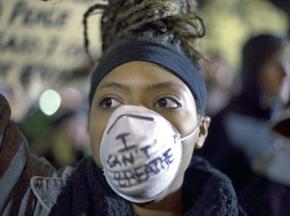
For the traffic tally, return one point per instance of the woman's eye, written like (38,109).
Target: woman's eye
(167,102)
(109,103)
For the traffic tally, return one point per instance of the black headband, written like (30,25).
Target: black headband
(164,56)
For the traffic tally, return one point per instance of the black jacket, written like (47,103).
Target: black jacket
(206,191)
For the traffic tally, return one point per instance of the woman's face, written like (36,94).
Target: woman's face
(149,85)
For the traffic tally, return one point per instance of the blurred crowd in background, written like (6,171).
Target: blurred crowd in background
(48,90)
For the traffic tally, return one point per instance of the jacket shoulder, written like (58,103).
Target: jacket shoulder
(47,189)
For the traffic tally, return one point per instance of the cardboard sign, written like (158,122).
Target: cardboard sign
(41,45)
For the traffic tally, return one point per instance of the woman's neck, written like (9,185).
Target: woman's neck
(171,205)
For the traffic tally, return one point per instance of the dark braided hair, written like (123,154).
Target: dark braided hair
(85,23)
(171,22)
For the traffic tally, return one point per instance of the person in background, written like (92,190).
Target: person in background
(64,141)
(219,79)
(240,132)
(62,137)
(268,193)
(147,102)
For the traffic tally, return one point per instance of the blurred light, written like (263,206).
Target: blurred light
(49,102)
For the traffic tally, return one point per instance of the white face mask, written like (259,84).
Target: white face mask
(141,153)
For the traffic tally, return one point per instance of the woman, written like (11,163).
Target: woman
(147,102)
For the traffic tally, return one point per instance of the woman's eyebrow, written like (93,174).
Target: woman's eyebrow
(163,85)
(113,85)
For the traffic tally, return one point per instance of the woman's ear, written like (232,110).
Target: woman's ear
(203,131)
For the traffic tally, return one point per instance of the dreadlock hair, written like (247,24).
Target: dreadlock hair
(172,23)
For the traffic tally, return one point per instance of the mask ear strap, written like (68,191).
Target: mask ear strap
(194,130)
